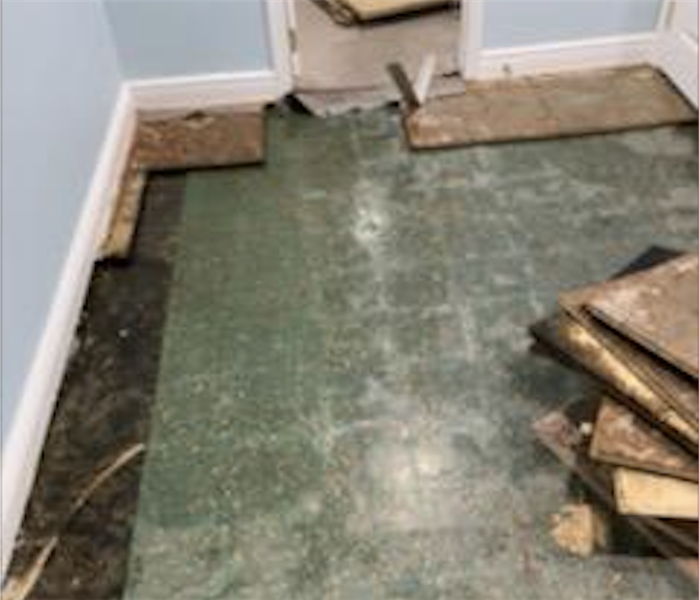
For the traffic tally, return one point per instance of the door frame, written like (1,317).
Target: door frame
(279,20)
(471,39)
(676,56)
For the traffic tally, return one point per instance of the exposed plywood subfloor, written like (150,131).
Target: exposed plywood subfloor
(554,106)
(345,58)
(176,141)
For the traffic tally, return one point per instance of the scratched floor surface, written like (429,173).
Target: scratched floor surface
(345,394)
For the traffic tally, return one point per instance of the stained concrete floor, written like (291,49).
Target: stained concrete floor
(345,392)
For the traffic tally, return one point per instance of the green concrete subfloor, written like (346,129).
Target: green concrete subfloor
(345,394)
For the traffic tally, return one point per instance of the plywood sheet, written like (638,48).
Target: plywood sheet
(203,139)
(548,107)
(658,309)
(621,438)
(674,387)
(570,338)
(645,494)
(371,10)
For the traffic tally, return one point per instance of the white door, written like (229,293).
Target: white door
(678,52)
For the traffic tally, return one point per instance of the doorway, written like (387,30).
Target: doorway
(343,48)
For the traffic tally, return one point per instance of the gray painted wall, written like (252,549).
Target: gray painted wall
(162,38)
(60,79)
(521,22)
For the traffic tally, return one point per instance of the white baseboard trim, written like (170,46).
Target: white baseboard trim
(594,53)
(206,91)
(24,444)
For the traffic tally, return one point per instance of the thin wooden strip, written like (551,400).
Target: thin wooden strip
(658,309)
(621,438)
(201,139)
(645,494)
(405,86)
(119,240)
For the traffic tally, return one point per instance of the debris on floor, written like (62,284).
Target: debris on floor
(333,102)
(352,12)
(177,140)
(579,529)
(552,106)
(634,444)
(21,586)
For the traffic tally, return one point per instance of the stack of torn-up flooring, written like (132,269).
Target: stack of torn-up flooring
(634,442)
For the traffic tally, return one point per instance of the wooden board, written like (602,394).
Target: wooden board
(202,139)
(658,309)
(644,494)
(372,10)
(117,245)
(559,432)
(572,340)
(674,387)
(176,141)
(548,107)
(621,438)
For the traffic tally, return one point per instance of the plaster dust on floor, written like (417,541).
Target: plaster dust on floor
(345,387)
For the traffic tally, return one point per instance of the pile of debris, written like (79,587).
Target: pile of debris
(634,442)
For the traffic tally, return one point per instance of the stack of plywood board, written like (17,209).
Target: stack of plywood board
(634,442)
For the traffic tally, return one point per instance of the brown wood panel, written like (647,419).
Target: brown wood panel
(648,494)
(674,387)
(658,309)
(212,138)
(551,106)
(567,337)
(621,438)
